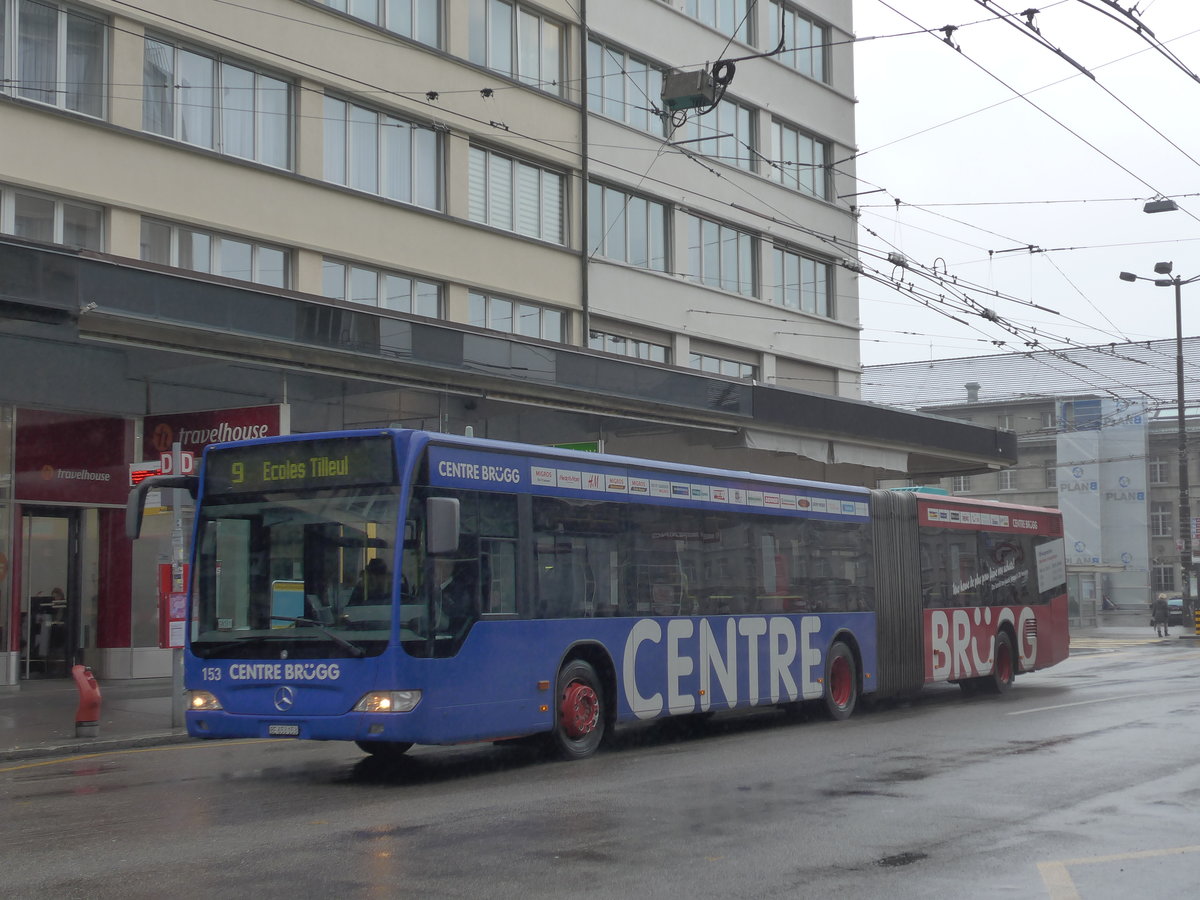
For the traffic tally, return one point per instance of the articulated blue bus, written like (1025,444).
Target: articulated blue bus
(396,587)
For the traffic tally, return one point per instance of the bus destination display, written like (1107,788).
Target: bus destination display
(300,465)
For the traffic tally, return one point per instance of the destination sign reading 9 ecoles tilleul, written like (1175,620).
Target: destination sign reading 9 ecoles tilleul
(301,465)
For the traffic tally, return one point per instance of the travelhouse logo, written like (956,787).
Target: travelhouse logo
(49,473)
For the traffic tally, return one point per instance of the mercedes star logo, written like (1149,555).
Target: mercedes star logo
(285,698)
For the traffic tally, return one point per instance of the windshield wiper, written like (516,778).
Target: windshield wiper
(354,649)
(205,652)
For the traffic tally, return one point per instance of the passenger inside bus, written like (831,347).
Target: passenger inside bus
(374,585)
(460,596)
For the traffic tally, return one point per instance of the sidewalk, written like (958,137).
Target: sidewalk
(38,717)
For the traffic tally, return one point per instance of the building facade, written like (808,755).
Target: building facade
(228,219)
(1097,435)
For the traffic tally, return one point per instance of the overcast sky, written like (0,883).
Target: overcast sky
(981,174)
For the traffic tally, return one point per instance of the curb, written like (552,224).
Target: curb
(92,746)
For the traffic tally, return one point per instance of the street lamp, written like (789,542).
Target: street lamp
(1185,503)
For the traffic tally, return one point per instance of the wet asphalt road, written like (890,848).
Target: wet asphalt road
(1084,781)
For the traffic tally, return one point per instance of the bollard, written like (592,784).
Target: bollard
(87,717)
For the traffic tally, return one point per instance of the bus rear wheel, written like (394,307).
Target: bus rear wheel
(1004,666)
(580,717)
(841,682)
(385,749)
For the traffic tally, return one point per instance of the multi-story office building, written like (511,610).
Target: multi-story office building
(1097,435)
(224,219)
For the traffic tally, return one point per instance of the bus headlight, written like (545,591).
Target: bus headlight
(388,701)
(199,700)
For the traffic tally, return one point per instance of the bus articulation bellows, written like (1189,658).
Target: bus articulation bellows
(396,587)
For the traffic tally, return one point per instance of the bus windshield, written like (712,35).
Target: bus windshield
(304,573)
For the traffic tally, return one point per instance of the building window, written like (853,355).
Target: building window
(798,160)
(1161,516)
(44,217)
(1051,473)
(960,484)
(517,41)
(207,101)
(802,283)
(727,134)
(626,346)
(1049,420)
(731,368)
(53,54)
(720,256)
(218,254)
(627,228)
(731,17)
(416,19)
(516,196)
(1162,578)
(803,39)
(1160,470)
(379,287)
(381,154)
(624,87)
(516,317)
(1006,479)
(1004,422)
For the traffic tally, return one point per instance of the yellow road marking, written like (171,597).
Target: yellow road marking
(1058,881)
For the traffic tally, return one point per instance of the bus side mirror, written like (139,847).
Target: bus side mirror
(441,517)
(136,505)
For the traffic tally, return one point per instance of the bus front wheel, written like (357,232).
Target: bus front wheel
(579,714)
(841,682)
(385,749)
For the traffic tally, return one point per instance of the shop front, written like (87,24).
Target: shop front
(71,561)
(73,588)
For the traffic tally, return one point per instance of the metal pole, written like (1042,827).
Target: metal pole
(1185,503)
(178,555)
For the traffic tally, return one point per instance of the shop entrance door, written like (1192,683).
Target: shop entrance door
(50,608)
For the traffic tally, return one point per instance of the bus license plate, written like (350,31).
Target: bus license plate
(284,730)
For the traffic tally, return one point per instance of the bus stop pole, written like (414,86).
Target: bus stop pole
(177,557)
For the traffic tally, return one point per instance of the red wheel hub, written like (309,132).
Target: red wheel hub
(579,711)
(839,681)
(1004,663)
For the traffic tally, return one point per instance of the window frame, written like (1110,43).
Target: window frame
(797,57)
(737,24)
(494,184)
(634,348)
(369,127)
(510,57)
(733,126)
(216,244)
(419,13)
(1158,469)
(492,317)
(711,364)
(15,52)
(381,276)
(789,170)
(700,258)
(819,301)
(167,98)
(10,196)
(1162,576)
(600,99)
(1161,519)
(604,224)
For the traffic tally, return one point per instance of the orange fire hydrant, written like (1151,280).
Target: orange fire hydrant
(87,717)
